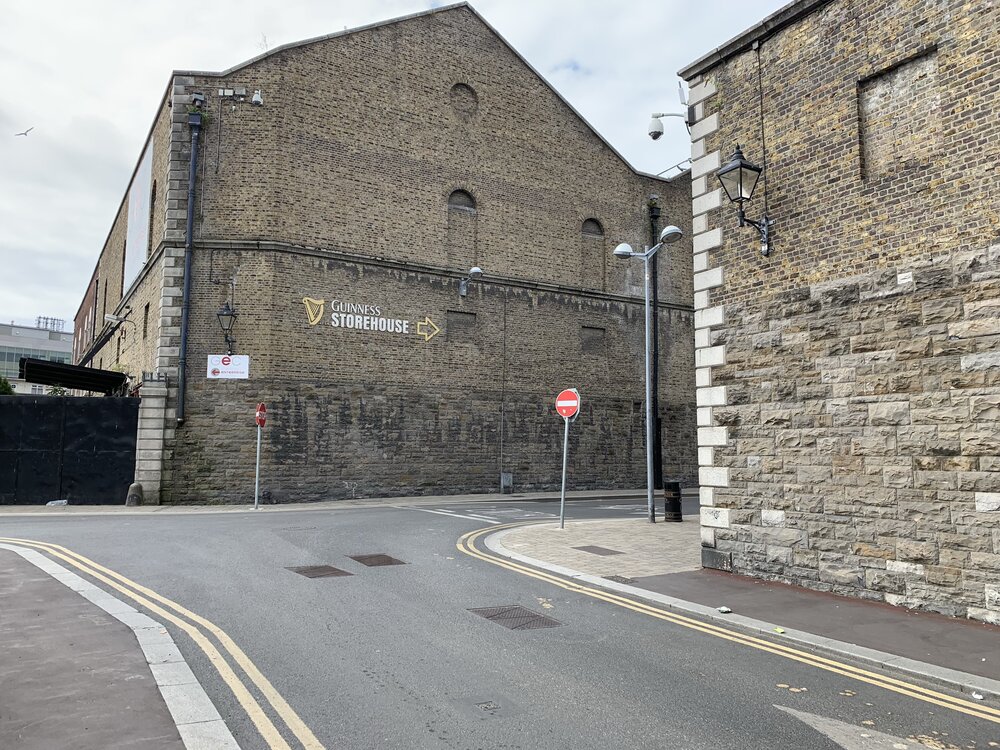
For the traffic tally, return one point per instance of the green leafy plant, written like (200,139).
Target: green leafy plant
(57,390)
(6,389)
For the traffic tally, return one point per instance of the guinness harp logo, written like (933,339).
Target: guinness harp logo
(314,309)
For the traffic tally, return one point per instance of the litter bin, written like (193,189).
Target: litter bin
(672,501)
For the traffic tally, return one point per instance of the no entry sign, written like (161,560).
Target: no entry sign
(261,414)
(567,407)
(568,403)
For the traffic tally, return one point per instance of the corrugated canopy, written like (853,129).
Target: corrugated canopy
(43,372)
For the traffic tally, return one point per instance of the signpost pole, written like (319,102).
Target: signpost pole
(260,419)
(562,498)
(256,479)
(567,407)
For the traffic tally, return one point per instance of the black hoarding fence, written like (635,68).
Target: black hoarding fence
(81,450)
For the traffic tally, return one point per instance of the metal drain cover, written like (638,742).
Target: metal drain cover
(594,550)
(319,571)
(516,617)
(374,561)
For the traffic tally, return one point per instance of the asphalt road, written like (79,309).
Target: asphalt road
(391,656)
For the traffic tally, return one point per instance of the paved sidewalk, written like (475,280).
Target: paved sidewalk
(72,676)
(664,559)
(629,548)
(119,508)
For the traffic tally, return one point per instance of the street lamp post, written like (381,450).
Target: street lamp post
(668,235)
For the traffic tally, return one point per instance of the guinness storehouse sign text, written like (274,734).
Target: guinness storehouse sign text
(368,318)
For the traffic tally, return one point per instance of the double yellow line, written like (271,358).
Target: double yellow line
(193,625)
(467,544)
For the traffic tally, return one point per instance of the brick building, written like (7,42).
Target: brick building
(849,382)
(344,187)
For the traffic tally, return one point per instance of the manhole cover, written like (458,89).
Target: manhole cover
(516,617)
(374,561)
(594,550)
(319,571)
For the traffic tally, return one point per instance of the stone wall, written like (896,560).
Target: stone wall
(849,382)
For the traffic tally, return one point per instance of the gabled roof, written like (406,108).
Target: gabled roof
(400,19)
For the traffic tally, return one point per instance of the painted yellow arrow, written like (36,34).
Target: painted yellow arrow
(427,329)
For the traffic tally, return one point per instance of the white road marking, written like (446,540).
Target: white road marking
(849,736)
(446,513)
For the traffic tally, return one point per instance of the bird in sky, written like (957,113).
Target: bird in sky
(25,132)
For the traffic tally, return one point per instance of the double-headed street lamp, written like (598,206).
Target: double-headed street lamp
(669,235)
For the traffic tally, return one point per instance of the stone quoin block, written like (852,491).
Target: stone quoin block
(708,279)
(707,240)
(713,476)
(705,127)
(711,357)
(716,518)
(987,502)
(704,203)
(713,316)
(714,396)
(712,436)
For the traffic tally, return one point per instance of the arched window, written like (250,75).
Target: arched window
(593,257)
(462,200)
(462,233)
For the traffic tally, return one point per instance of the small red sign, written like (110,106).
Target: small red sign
(568,403)
(261,414)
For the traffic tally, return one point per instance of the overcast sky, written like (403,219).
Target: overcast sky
(87,77)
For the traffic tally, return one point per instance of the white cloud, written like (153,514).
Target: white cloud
(89,76)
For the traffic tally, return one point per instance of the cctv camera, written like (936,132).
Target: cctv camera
(655,128)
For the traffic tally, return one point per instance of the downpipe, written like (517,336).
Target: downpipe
(194,120)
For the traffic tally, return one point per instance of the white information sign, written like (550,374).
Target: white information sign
(228,366)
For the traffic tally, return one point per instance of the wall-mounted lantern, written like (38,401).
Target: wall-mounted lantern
(739,178)
(227,317)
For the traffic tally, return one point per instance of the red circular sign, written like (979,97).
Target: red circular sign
(568,403)
(261,414)
(227,361)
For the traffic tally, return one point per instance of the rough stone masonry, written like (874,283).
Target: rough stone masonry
(849,382)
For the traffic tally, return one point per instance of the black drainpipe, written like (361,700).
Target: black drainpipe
(194,120)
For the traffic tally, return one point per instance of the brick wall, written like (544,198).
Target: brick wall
(338,187)
(128,349)
(849,384)
(368,413)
